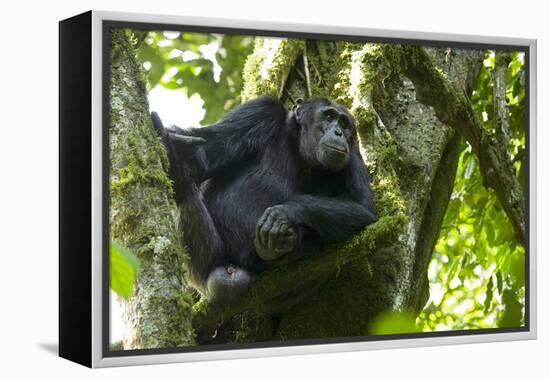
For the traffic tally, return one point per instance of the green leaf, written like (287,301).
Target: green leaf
(490,232)
(517,268)
(513,310)
(393,323)
(453,270)
(124,268)
(488,295)
(500,282)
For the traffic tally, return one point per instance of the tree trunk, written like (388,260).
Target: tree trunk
(158,314)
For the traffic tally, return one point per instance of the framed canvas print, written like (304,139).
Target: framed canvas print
(233,189)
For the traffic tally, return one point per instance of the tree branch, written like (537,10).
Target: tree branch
(273,288)
(502,120)
(455,110)
(306,70)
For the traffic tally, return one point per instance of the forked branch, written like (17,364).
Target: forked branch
(455,110)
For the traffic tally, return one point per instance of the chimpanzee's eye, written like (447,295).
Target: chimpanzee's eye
(329,116)
(344,123)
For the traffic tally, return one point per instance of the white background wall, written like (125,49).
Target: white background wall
(28,190)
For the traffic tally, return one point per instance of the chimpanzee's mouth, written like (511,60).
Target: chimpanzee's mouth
(337,149)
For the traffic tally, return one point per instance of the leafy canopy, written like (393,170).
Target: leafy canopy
(209,65)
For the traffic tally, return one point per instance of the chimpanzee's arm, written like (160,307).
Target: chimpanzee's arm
(241,134)
(337,218)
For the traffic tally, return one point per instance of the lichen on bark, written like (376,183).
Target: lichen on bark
(158,314)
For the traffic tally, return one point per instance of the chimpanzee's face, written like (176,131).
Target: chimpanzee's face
(327,133)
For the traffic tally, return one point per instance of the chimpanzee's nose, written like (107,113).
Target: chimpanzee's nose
(338,132)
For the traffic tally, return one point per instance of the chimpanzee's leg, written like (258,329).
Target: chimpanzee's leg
(208,267)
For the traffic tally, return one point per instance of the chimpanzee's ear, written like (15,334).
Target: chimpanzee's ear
(297,109)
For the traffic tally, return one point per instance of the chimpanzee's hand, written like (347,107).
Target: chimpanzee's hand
(184,143)
(275,234)
(174,138)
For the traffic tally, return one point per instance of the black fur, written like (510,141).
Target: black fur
(263,184)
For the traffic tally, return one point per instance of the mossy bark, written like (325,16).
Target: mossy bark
(502,120)
(158,314)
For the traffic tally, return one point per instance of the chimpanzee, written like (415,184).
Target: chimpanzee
(262,184)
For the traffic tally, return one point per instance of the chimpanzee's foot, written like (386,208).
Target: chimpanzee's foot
(228,284)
